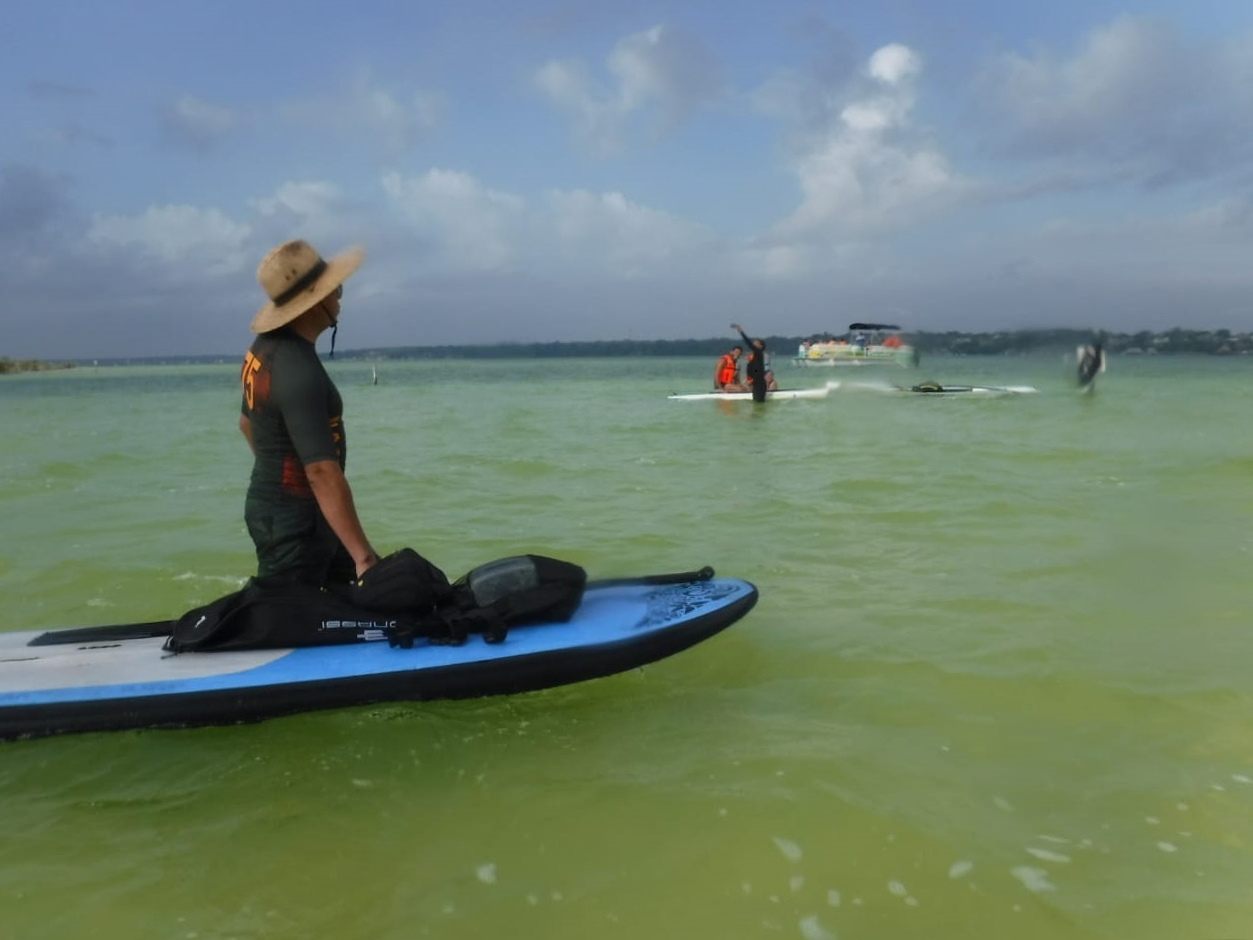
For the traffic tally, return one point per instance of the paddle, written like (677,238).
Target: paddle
(680,577)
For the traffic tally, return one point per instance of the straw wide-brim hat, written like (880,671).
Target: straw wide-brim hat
(296,279)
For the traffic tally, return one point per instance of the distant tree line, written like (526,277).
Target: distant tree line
(1009,342)
(30,365)
(1006,342)
(1145,342)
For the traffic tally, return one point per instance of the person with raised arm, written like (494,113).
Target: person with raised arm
(755,370)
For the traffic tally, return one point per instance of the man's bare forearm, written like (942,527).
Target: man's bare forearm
(331,490)
(245,428)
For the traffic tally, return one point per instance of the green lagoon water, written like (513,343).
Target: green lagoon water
(997,685)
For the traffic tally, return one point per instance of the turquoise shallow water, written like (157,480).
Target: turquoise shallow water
(997,683)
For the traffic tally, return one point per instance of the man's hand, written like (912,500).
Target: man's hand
(334,498)
(365,564)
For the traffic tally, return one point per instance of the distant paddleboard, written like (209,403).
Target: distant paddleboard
(783,394)
(929,388)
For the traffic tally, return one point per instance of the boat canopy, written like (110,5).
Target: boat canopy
(874,326)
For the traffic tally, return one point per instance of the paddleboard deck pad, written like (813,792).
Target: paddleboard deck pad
(119,677)
(783,394)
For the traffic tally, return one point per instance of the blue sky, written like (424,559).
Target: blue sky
(588,170)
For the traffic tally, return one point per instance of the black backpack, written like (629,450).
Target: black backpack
(509,592)
(276,616)
(400,598)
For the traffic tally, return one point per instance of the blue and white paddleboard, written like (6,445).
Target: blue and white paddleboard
(111,678)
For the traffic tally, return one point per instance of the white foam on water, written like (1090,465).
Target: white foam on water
(746,887)
(898,889)
(911,901)
(833,898)
(486,873)
(1033,879)
(960,869)
(219,578)
(1152,820)
(812,929)
(1241,778)
(1182,807)
(1055,839)
(1002,804)
(1167,847)
(1047,856)
(858,902)
(557,896)
(1217,786)
(796,882)
(533,900)
(791,851)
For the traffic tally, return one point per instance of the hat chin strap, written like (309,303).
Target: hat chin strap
(335,330)
(334,321)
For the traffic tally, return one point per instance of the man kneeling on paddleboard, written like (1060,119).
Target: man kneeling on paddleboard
(299,509)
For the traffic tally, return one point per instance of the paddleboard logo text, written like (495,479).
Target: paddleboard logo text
(371,630)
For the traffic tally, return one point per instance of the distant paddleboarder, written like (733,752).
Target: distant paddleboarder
(1091,360)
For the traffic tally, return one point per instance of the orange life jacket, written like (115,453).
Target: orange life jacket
(726,370)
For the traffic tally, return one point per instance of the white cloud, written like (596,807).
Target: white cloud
(400,122)
(397,122)
(608,233)
(777,262)
(869,170)
(313,209)
(781,96)
(598,119)
(660,72)
(197,123)
(471,227)
(1231,215)
(466,227)
(189,243)
(894,63)
(1137,97)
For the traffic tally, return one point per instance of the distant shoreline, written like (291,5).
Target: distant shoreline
(14,366)
(1008,342)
